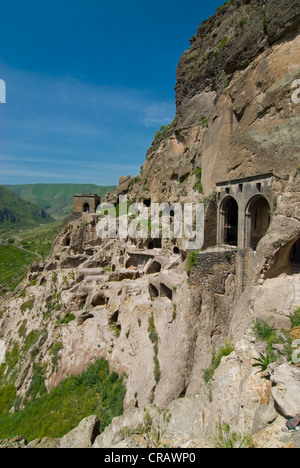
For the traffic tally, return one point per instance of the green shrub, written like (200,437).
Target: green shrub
(7,398)
(152,330)
(28,305)
(223,351)
(37,386)
(267,333)
(58,346)
(226,438)
(191,261)
(264,361)
(69,318)
(198,173)
(153,336)
(295,318)
(96,391)
(224,4)
(30,340)
(162,134)
(204,122)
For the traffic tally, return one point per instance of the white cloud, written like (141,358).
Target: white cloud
(53,126)
(160,113)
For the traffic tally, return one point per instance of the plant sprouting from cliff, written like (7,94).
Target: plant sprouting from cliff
(153,432)
(225,350)
(162,134)
(191,261)
(224,5)
(263,361)
(226,438)
(198,173)
(204,122)
(268,334)
(295,318)
(153,336)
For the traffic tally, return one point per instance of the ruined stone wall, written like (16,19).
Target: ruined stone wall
(86,203)
(212,269)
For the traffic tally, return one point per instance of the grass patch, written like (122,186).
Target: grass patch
(69,318)
(54,414)
(14,262)
(198,173)
(153,336)
(295,318)
(13,267)
(40,239)
(226,438)
(223,351)
(267,333)
(191,261)
(28,305)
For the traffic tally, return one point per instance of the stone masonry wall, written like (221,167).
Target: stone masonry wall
(212,269)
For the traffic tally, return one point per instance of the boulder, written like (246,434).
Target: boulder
(293,423)
(82,436)
(286,390)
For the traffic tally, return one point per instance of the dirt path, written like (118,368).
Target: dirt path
(24,250)
(29,251)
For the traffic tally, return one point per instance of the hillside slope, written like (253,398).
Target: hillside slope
(56,199)
(16,212)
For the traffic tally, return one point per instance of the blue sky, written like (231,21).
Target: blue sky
(88,83)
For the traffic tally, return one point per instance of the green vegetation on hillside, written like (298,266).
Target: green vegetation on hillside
(40,239)
(20,248)
(54,414)
(225,350)
(56,199)
(13,267)
(14,211)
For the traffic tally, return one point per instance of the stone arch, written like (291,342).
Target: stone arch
(258,216)
(229,214)
(86,207)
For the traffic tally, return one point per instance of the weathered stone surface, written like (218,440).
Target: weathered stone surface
(45,443)
(82,436)
(112,435)
(286,393)
(17,442)
(293,423)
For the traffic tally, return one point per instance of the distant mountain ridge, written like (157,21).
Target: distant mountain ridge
(15,211)
(56,199)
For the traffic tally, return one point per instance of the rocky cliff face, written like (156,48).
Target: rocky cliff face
(234,113)
(134,304)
